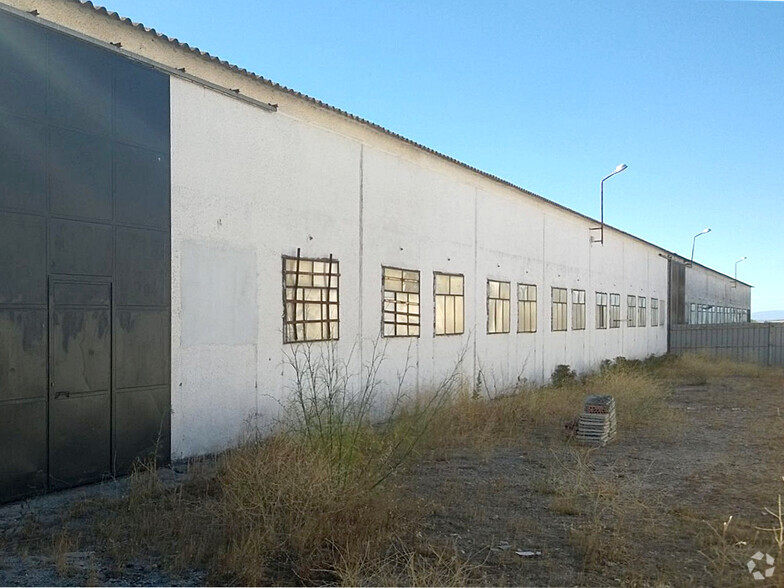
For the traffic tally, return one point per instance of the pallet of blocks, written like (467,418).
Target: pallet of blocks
(597,423)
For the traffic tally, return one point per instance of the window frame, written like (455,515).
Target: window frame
(578,310)
(654,312)
(492,301)
(527,303)
(602,310)
(330,262)
(642,311)
(563,308)
(615,310)
(395,312)
(631,310)
(455,296)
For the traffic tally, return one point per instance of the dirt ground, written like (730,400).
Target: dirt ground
(648,509)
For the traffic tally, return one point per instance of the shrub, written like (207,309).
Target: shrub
(563,375)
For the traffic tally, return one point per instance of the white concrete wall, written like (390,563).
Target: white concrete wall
(704,286)
(249,186)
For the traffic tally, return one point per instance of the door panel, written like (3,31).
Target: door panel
(80,368)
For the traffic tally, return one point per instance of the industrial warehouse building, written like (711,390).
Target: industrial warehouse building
(172,226)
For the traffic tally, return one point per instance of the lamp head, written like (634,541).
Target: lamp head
(620,168)
(705,231)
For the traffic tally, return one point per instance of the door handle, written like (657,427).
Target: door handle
(65,393)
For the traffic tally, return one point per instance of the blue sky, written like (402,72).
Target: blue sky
(552,96)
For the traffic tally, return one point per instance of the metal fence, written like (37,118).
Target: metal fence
(750,342)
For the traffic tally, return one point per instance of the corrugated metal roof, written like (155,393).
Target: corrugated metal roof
(324,105)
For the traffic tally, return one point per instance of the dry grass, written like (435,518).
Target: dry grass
(292,510)
(699,369)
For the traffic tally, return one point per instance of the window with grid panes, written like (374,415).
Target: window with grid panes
(662,316)
(449,303)
(615,311)
(642,311)
(631,310)
(601,310)
(578,310)
(498,306)
(559,306)
(526,308)
(310,311)
(654,312)
(401,302)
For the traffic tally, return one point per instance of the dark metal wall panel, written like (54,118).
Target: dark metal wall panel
(22,449)
(677,291)
(141,186)
(84,212)
(141,106)
(23,70)
(22,161)
(23,354)
(23,259)
(80,248)
(142,425)
(81,175)
(143,267)
(78,70)
(142,344)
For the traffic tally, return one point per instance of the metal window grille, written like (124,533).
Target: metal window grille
(654,312)
(642,311)
(526,308)
(498,306)
(615,311)
(559,309)
(578,310)
(400,316)
(601,310)
(449,303)
(631,310)
(310,299)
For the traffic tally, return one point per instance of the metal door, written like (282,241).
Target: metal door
(80,371)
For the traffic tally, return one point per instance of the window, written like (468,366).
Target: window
(498,306)
(615,311)
(578,310)
(401,302)
(310,312)
(654,312)
(662,316)
(558,322)
(448,290)
(642,311)
(601,310)
(631,310)
(692,314)
(526,308)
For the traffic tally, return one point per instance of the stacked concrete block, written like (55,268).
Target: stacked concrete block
(597,424)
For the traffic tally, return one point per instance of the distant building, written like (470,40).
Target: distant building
(172,226)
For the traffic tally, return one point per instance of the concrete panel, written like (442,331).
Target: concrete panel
(219,296)
(215,400)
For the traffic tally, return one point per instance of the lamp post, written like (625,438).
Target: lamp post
(736,268)
(694,241)
(618,170)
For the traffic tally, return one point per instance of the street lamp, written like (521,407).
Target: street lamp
(694,241)
(618,170)
(736,268)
